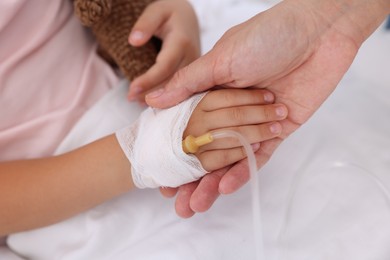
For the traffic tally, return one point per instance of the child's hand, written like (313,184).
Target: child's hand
(175,23)
(247,111)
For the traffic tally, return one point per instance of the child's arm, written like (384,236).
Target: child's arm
(36,193)
(40,192)
(175,23)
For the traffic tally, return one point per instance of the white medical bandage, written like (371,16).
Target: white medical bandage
(153,145)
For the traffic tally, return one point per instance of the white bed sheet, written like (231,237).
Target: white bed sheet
(334,212)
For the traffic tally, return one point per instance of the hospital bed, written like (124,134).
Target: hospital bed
(324,193)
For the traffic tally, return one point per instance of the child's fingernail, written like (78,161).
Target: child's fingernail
(275,128)
(255,146)
(135,90)
(268,97)
(281,111)
(142,103)
(156,93)
(137,35)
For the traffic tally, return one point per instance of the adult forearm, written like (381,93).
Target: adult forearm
(35,193)
(356,19)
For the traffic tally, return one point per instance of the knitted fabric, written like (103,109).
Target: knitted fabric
(111,22)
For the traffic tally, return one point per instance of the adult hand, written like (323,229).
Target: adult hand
(298,49)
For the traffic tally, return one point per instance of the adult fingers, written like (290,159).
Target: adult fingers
(207,192)
(238,175)
(182,204)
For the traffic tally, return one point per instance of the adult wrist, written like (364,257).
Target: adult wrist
(356,19)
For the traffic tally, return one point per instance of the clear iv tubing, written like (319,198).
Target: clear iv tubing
(254,180)
(256,209)
(329,166)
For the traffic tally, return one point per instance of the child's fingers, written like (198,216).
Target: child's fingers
(167,62)
(252,133)
(148,23)
(216,159)
(223,98)
(168,192)
(244,115)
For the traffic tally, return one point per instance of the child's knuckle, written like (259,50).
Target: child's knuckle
(268,114)
(228,96)
(237,114)
(223,158)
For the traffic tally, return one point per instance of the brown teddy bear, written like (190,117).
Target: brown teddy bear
(111,22)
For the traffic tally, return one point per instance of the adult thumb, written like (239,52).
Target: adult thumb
(196,77)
